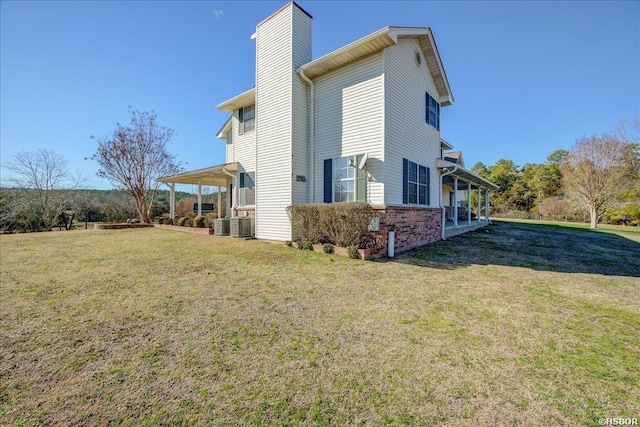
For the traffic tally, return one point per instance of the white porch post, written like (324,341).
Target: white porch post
(172,201)
(468,202)
(455,200)
(219,202)
(199,197)
(486,205)
(479,195)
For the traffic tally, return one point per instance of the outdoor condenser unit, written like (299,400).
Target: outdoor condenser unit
(221,226)
(241,227)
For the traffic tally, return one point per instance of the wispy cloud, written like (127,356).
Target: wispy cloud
(218,13)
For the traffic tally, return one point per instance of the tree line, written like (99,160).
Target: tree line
(597,180)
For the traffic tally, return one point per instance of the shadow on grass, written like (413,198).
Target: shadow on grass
(535,246)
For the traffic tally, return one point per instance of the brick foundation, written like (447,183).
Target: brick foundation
(245,211)
(413,226)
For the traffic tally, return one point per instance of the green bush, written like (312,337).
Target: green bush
(352,252)
(199,221)
(182,220)
(190,215)
(343,224)
(166,220)
(289,243)
(188,222)
(305,245)
(328,248)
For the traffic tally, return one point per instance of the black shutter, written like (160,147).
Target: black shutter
(405,180)
(429,187)
(328,180)
(241,180)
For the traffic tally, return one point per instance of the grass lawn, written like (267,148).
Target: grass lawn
(518,324)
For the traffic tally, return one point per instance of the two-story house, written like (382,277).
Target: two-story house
(361,123)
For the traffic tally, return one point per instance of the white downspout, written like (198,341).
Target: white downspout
(312,132)
(455,168)
(235,189)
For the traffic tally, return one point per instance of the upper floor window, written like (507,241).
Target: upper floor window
(247,118)
(415,188)
(433,111)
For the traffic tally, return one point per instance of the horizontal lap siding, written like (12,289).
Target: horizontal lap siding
(349,113)
(407,134)
(244,146)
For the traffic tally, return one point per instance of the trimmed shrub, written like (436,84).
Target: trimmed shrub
(182,220)
(188,222)
(343,224)
(190,215)
(305,221)
(199,221)
(352,252)
(328,248)
(306,245)
(166,220)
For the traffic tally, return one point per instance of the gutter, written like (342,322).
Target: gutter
(312,131)
(449,172)
(235,191)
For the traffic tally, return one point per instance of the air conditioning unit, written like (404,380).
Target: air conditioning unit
(221,226)
(241,227)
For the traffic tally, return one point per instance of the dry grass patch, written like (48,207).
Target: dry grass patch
(150,327)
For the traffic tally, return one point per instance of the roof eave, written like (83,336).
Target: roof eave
(238,101)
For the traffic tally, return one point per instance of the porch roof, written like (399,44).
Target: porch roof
(465,174)
(213,175)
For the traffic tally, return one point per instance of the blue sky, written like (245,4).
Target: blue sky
(528,77)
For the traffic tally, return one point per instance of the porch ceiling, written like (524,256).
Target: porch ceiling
(213,176)
(465,175)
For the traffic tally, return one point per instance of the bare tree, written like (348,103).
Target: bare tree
(597,170)
(44,185)
(135,156)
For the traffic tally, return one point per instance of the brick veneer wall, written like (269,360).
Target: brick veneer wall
(414,226)
(242,211)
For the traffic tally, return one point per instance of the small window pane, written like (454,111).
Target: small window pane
(413,193)
(422,175)
(422,194)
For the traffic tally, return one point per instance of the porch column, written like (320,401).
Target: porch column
(199,197)
(479,195)
(486,205)
(469,203)
(219,202)
(455,200)
(172,201)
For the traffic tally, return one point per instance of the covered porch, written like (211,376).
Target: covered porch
(220,176)
(459,187)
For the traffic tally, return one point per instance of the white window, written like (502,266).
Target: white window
(247,118)
(344,179)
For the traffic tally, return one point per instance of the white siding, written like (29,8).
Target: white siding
(349,114)
(229,148)
(300,116)
(244,146)
(274,120)
(408,135)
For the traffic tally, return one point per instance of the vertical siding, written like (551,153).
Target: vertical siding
(301,46)
(407,134)
(274,120)
(349,113)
